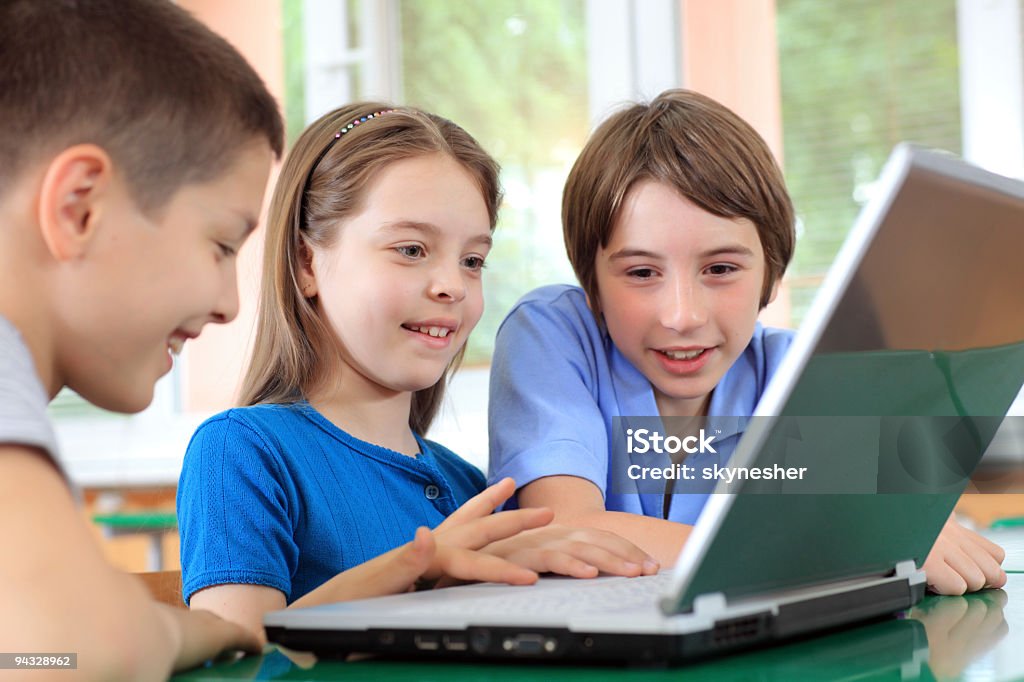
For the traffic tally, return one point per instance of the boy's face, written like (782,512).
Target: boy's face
(401,285)
(149,283)
(680,291)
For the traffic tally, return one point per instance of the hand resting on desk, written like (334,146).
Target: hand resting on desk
(963,561)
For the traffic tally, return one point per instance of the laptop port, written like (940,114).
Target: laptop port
(529,644)
(480,640)
(426,642)
(737,630)
(455,642)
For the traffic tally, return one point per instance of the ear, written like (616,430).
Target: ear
(74,185)
(774,293)
(304,270)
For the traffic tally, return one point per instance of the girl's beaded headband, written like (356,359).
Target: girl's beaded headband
(320,157)
(361,119)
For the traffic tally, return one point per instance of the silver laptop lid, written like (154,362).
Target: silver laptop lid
(907,361)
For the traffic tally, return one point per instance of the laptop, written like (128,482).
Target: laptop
(902,371)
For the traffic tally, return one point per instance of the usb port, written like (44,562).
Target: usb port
(425,642)
(455,642)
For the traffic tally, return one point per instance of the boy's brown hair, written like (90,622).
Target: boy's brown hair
(694,144)
(167,98)
(323,183)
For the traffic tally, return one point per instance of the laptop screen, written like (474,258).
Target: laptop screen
(906,363)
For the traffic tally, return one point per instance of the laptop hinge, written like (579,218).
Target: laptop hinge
(710,605)
(907,569)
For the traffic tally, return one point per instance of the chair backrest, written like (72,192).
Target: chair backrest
(164,586)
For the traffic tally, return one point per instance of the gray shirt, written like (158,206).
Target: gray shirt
(23,400)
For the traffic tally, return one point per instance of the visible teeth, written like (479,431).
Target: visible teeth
(432,331)
(683,354)
(175,344)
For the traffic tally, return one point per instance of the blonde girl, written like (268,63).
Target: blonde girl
(379,228)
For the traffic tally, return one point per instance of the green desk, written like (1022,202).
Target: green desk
(153,524)
(977,637)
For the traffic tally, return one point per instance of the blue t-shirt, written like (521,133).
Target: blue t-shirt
(557,381)
(277,495)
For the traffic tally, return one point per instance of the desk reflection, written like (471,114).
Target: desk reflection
(943,638)
(960,630)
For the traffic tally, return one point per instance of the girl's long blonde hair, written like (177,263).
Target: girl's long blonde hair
(323,182)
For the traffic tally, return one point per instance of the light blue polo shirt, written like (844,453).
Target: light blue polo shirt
(558,381)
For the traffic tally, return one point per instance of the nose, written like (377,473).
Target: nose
(447,284)
(684,306)
(226,307)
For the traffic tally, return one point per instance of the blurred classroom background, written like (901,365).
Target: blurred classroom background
(831,85)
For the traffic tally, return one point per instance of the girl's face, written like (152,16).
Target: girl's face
(400,287)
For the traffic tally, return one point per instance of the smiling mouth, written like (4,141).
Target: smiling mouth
(684,354)
(438,332)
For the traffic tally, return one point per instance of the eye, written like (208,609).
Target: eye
(721,269)
(226,250)
(410,250)
(474,263)
(641,273)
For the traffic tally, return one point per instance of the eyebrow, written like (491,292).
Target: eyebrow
(634,253)
(431,229)
(732,249)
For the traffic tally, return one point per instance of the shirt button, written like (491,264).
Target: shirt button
(432,492)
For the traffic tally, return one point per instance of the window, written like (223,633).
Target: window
(857,77)
(513,73)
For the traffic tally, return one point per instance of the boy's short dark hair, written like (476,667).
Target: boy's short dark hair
(688,141)
(166,97)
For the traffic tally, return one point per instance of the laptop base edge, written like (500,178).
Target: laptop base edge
(564,645)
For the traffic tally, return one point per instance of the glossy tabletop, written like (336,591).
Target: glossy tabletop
(977,637)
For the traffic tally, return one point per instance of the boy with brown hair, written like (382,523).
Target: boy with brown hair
(136,147)
(679,227)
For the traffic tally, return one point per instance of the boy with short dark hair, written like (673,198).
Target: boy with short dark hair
(134,153)
(679,227)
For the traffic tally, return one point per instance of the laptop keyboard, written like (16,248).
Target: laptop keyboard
(594,596)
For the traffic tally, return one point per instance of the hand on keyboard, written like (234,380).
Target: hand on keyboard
(514,546)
